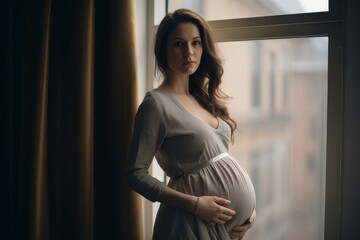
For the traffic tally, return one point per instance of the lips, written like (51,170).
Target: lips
(188,62)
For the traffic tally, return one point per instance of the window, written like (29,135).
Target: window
(283,72)
(277,138)
(229,9)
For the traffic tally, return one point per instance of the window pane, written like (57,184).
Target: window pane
(225,9)
(159,11)
(279,100)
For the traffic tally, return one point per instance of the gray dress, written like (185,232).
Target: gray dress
(194,155)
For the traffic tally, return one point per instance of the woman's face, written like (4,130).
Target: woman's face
(184,49)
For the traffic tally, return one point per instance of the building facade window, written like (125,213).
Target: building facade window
(256,69)
(272,78)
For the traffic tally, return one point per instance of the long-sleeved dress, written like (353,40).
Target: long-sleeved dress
(195,157)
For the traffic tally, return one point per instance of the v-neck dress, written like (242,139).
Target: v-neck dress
(195,157)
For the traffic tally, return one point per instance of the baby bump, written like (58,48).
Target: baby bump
(225,178)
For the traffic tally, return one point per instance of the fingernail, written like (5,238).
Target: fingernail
(251,220)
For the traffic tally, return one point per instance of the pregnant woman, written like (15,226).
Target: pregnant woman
(186,126)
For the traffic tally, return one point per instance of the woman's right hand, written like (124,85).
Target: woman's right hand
(213,209)
(239,231)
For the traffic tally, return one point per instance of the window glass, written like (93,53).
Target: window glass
(159,11)
(281,136)
(226,9)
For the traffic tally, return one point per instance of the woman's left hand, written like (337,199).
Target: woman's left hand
(238,232)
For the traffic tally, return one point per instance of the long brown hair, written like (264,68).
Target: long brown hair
(204,83)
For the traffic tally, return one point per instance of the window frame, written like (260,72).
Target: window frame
(304,25)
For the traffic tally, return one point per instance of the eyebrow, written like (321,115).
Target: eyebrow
(179,38)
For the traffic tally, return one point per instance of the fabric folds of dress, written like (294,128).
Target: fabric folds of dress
(195,157)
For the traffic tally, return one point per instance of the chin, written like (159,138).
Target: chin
(190,71)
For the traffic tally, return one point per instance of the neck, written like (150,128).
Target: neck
(178,85)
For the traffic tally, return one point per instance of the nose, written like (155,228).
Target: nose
(189,51)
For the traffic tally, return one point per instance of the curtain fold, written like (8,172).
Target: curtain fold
(70,120)
(69,95)
(115,106)
(39,204)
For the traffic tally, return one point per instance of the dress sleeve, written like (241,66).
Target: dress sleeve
(149,132)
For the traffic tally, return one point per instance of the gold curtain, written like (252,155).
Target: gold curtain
(68,98)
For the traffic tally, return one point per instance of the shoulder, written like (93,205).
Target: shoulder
(154,100)
(154,103)
(149,117)
(158,95)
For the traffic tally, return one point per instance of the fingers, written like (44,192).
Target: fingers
(221,217)
(242,228)
(221,201)
(224,202)
(224,218)
(236,235)
(252,217)
(228,211)
(212,209)
(239,231)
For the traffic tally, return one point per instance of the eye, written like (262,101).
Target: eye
(197,43)
(178,44)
